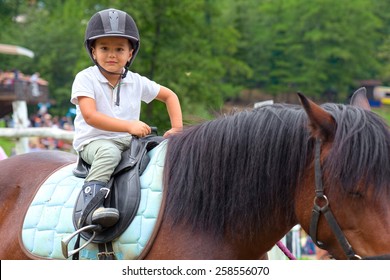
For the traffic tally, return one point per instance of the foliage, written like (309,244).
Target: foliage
(312,46)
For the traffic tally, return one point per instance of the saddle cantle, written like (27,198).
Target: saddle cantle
(125,190)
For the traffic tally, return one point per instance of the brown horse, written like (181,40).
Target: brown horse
(236,185)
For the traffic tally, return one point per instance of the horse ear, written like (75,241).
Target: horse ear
(359,99)
(322,124)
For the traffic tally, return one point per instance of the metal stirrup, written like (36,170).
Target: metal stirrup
(65,242)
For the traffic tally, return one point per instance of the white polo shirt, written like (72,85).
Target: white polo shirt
(90,82)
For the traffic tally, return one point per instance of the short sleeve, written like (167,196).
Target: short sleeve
(82,86)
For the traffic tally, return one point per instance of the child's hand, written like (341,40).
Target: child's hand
(139,128)
(173,131)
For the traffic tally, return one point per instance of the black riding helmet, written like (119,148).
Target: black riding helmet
(112,22)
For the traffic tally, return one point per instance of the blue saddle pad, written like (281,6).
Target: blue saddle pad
(49,218)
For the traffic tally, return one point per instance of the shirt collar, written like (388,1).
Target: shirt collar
(102,79)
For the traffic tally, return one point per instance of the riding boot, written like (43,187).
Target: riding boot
(94,212)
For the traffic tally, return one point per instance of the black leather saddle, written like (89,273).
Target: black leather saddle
(124,185)
(124,195)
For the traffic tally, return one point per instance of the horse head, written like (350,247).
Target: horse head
(350,181)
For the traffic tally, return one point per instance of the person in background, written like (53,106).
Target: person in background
(34,84)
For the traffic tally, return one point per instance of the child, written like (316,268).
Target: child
(108,102)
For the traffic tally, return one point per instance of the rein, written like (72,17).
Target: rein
(321,206)
(285,251)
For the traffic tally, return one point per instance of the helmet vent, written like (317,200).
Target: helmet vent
(114,20)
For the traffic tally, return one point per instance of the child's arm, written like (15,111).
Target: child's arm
(173,107)
(101,121)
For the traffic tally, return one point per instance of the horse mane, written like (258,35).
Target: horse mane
(232,175)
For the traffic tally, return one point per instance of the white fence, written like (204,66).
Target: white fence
(37,132)
(21,132)
(21,135)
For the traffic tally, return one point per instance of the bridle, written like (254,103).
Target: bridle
(321,206)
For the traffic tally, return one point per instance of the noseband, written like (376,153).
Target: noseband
(321,206)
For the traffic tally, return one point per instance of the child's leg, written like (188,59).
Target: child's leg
(104,156)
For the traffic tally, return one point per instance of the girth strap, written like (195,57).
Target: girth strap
(106,251)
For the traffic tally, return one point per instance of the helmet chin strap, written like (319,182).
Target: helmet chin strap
(122,76)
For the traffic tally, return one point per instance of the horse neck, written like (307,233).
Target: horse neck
(182,242)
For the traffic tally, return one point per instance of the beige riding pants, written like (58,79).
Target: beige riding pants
(104,155)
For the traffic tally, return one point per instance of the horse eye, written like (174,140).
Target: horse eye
(356,194)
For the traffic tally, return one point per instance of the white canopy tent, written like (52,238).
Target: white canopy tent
(15,50)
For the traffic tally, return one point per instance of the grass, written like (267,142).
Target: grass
(7,145)
(384,112)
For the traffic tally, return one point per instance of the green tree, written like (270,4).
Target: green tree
(311,46)
(185,46)
(53,32)
(381,9)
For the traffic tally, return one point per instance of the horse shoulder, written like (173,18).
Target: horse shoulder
(21,176)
